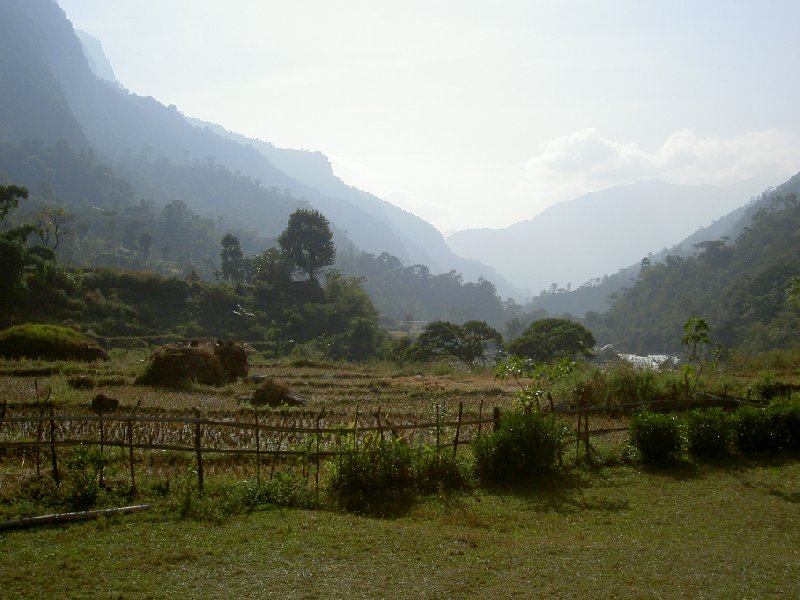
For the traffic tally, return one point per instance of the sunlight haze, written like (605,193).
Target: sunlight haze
(477,114)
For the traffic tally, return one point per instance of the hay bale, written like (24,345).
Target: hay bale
(233,358)
(275,394)
(103,403)
(81,382)
(202,361)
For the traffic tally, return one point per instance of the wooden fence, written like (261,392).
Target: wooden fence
(201,436)
(273,435)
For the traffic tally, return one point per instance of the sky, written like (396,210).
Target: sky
(476,113)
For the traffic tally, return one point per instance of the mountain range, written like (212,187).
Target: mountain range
(64,88)
(59,87)
(575,241)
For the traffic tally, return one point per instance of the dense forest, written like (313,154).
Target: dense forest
(740,286)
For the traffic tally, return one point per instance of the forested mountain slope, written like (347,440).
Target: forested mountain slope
(153,146)
(573,241)
(739,285)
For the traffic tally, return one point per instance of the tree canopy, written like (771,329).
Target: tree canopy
(307,241)
(466,342)
(549,339)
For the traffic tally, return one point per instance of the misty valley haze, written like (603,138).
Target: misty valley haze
(131,170)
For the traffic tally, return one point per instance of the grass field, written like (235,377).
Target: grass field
(724,530)
(698,532)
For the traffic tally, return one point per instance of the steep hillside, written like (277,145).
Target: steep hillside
(411,239)
(739,284)
(574,241)
(132,131)
(595,295)
(32,103)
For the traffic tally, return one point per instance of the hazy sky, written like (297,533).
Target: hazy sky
(475,113)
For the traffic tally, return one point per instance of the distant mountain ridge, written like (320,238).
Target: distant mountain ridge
(576,240)
(131,130)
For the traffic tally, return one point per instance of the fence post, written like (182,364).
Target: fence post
(258,449)
(198,437)
(316,473)
(496,417)
(480,417)
(39,433)
(102,444)
(53,456)
(458,428)
(438,430)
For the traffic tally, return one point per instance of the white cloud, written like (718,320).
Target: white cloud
(584,161)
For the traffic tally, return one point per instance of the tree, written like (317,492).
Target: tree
(466,342)
(549,339)
(307,241)
(52,225)
(19,261)
(231,259)
(145,241)
(9,199)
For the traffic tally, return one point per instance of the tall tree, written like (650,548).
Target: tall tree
(231,259)
(18,260)
(307,241)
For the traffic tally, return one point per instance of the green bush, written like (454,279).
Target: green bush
(767,430)
(49,342)
(375,476)
(785,421)
(525,445)
(82,486)
(754,432)
(656,437)
(708,431)
(441,472)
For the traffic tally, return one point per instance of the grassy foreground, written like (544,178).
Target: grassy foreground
(696,532)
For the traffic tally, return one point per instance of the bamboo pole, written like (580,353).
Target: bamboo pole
(102,444)
(258,448)
(458,428)
(198,438)
(53,456)
(73,516)
(316,454)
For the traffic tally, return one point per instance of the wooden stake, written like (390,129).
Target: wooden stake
(438,430)
(102,444)
(198,438)
(458,428)
(53,456)
(496,417)
(258,449)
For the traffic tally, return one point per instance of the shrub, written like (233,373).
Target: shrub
(708,431)
(374,477)
(441,471)
(766,430)
(525,445)
(656,436)
(82,486)
(223,499)
(785,421)
(754,432)
(49,342)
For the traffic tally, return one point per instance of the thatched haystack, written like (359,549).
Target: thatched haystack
(275,394)
(208,362)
